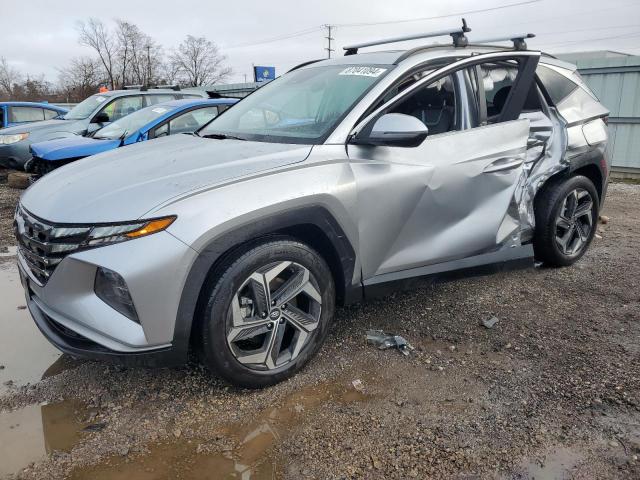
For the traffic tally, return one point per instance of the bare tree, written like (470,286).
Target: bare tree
(32,89)
(198,61)
(81,78)
(9,78)
(95,35)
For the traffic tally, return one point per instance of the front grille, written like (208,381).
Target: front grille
(43,245)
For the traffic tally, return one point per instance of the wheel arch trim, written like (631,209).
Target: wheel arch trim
(288,223)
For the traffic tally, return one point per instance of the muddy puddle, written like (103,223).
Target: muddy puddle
(25,355)
(250,458)
(30,434)
(558,464)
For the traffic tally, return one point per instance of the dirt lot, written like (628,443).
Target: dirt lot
(551,391)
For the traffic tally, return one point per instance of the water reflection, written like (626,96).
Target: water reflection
(30,434)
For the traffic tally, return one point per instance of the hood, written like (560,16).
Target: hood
(45,125)
(72,147)
(128,182)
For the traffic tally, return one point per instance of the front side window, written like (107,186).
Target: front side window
(126,125)
(434,105)
(192,121)
(25,114)
(303,106)
(122,107)
(85,108)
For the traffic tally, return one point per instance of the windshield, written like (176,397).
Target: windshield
(130,123)
(301,107)
(85,108)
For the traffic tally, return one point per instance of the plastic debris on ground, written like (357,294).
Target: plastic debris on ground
(358,385)
(386,340)
(490,323)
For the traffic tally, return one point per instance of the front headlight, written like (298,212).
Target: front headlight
(15,138)
(108,234)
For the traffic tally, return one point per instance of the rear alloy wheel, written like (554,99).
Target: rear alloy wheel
(566,217)
(574,222)
(268,313)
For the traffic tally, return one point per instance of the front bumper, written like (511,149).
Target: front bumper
(76,321)
(15,155)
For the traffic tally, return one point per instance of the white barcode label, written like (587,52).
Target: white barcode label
(364,71)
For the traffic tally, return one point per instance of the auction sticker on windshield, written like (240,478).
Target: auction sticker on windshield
(159,110)
(364,71)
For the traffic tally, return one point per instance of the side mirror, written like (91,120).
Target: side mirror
(101,117)
(393,129)
(93,128)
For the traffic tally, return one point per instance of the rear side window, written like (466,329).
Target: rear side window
(25,114)
(155,99)
(558,86)
(49,114)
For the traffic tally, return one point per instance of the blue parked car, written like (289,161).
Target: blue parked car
(169,118)
(18,113)
(84,119)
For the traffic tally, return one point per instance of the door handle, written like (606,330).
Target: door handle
(503,164)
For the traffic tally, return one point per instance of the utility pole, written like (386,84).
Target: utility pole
(148,64)
(329,39)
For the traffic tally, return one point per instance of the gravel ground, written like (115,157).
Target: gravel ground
(551,391)
(8,200)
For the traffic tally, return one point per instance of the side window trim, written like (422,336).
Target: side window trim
(482,98)
(442,72)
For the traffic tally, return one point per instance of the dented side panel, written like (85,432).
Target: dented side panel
(454,196)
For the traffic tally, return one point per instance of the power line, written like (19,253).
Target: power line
(435,17)
(346,25)
(276,39)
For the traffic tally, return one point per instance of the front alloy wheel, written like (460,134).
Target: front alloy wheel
(273,315)
(268,311)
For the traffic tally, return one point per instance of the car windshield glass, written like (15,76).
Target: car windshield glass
(85,108)
(301,107)
(132,122)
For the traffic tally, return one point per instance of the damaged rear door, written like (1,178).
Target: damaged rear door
(454,195)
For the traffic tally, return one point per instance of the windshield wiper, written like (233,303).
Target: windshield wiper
(222,136)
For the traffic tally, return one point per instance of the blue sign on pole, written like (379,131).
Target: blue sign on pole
(264,74)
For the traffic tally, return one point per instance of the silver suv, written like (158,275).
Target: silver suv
(326,186)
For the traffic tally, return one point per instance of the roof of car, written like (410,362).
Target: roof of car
(33,104)
(189,102)
(132,91)
(426,52)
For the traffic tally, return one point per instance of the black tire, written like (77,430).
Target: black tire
(216,319)
(548,205)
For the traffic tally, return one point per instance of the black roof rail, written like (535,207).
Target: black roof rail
(304,64)
(216,95)
(458,35)
(144,88)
